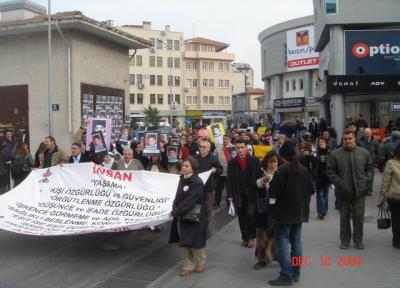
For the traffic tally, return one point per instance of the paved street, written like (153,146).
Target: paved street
(82,261)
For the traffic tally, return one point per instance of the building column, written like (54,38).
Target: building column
(336,67)
(308,92)
(279,94)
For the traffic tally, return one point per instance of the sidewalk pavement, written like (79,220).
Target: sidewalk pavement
(230,265)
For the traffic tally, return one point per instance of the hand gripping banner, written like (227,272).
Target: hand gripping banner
(86,198)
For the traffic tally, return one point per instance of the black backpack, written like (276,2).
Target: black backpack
(20,166)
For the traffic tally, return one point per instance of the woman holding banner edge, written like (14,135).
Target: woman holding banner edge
(191,236)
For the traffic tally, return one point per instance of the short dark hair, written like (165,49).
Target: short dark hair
(51,138)
(193,163)
(268,157)
(240,141)
(228,136)
(347,131)
(76,144)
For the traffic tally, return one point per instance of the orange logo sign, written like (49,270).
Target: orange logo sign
(302,38)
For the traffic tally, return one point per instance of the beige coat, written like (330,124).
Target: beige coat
(58,157)
(134,165)
(219,152)
(391,181)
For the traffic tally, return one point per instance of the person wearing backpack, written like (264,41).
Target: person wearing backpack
(21,163)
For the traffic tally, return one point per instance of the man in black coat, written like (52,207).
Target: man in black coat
(207,161)
(76,154)
(241,189)
(289,197)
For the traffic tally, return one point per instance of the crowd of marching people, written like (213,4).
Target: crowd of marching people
(270,193)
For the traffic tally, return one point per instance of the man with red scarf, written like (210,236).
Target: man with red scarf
(241,189)
(224,156)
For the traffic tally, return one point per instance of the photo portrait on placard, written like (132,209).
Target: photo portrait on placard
(217,133)
(98,142)
(232,152)
(124,137)
(96,125)
(151,144)
(172,154)
(174,141)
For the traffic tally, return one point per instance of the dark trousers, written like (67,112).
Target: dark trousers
(4,183)
(209,198)
(352,208)
(246,219)
(221,182)
(395,215)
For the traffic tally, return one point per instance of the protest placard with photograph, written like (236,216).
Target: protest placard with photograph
(124,137)
(174,141)
(232,151)
(98,124)
(98,142)
(151,144)
(172,154)
(216,132)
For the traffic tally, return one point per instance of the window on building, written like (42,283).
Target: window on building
(211,100)
(221,100)
(132,79)
(176,45)
(139,78)
(160,98)
(139,98)
(205,99)
(205,65)
(188,65)
(287,85)
(170,80)
(205,82)
(189,83)
(152,80)
(153,99)
(227,101)
(211,65)
(177,81)
(301,84)
(220,66)
(226,84)
(132,98)
(152,61)
(159,44)
(226,67)
(189,100)
(195,100)
(170,62)
(139,60)
(194,66)
(159,80)
(131,60)
(220,83)
(159,61)
(178,99)
(195,83)
(177,63)
(170,98)
(169,44)
(293,84)
(211,83)
(331,6)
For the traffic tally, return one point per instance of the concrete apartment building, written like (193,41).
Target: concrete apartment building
(290,70)
(89,62)
(156,74)
(207,80)
(246,106)
(242,73)
(359,71)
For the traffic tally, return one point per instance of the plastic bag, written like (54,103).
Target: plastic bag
(232,209)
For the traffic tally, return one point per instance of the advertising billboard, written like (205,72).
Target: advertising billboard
(363,83)
(372,52)
(293,102)
(300,49)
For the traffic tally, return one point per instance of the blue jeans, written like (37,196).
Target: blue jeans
(322,197)
(288,245)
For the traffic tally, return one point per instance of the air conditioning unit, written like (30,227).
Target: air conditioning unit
(152,50)
(186,89)
(140,86)
(173,105)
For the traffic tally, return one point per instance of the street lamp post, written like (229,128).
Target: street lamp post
(49,79)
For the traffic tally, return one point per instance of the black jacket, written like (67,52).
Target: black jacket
(193,148)
(205,164)
(192,235)
(372,146)
(292,193)
(233,185)
(84,158)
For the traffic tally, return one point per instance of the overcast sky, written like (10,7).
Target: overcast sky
(235,22)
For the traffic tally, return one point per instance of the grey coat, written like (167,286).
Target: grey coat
(373,147)
(134,165)
(350,171)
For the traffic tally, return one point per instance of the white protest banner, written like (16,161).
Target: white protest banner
(86,198)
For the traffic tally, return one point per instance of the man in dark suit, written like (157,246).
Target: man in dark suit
(76,154)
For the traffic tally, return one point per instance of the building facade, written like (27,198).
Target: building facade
(246,107)
(88,63)
(207,81)
(359,71)
(156,74)
(243,77)
(290,70)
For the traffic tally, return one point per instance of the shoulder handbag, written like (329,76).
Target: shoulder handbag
(262,205)
(383,221)
(193,215)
